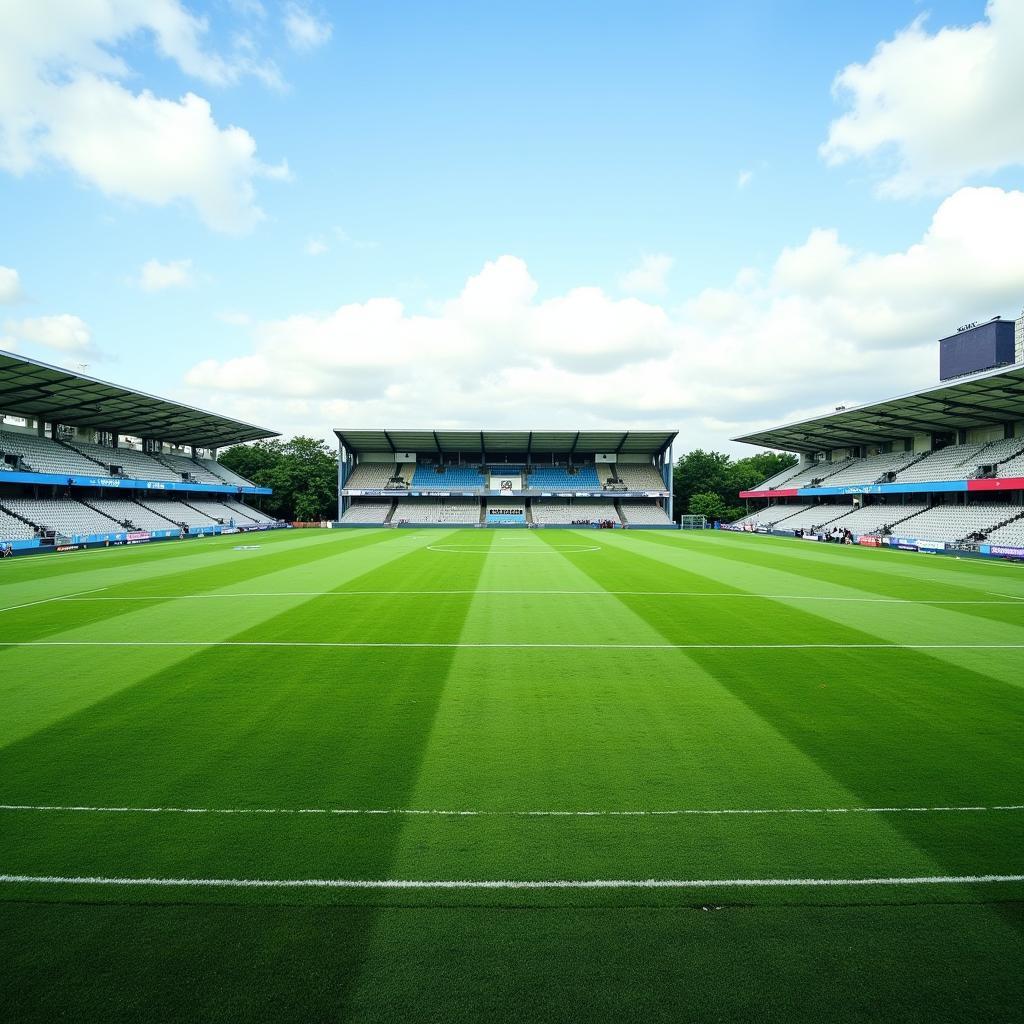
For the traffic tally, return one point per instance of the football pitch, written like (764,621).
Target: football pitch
(527,775)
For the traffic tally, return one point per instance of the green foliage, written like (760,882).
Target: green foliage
(709,505)
(302,472)
(700,475)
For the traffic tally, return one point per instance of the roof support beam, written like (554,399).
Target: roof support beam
(391,444)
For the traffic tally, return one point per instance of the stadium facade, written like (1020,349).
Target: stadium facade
(940,469)
(516,478)
(85,463)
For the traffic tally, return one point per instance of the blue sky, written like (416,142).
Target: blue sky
(526,214)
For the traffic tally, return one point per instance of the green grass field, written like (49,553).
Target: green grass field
(572,706)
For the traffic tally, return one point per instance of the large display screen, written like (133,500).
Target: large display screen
(976,348)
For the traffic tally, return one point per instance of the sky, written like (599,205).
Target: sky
(703,217)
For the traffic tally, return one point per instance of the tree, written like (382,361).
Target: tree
(302,472)
(700,474)
(708,505)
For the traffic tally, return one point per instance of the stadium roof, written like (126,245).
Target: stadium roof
(53,394)
(497,442)
(989,398)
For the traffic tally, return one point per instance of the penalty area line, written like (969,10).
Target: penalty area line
(504,883)
(48,600)
(494,813)
(1007,599)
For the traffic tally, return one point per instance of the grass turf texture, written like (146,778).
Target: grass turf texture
(507,729)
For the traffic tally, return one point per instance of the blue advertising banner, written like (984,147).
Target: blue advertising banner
(913,488)
(124,483)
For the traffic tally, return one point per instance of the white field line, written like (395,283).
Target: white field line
(413,812)
(530,593)
(47,600)
(554,883)
(1007,596)
(362,645)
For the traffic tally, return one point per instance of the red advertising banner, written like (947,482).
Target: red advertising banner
(1008,483)
(870,542)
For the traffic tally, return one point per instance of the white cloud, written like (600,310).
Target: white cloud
(648,277)
(62,99)
(234,318)
(824,325)
(316,247)
(303,29)
(10,285)
(63,332)
(744,178)
(937,109)
(156,276)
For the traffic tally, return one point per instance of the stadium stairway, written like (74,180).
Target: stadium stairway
(483,512)
(100,512)
(155,511)
(618,511)
(1009,458)
(391,511)
(529,512)
(14,515)
(78,451)
(1005,522)
(889,475)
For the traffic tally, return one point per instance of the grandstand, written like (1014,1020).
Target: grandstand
(505,478)
(87,462)
(942,467)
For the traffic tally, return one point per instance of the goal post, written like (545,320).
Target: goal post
(693,522)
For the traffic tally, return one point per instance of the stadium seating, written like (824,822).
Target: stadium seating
(243,511)
(427,478)
(639,513)
(816,471)
(132,512)
(371,476)
(225,474)
(69,518)
(1010,535)
(42,455)
(179,512)
(135,464)
(1013,466)
(12,528)
(437,510)
(871,469)
(367,512)
(956,522)
(780,479)
(875,518)
(953,463)
(551,478)
(182,464)
(640,477)
(559,513)
(814,517)
(216,510)
(772,514)
(1000,451)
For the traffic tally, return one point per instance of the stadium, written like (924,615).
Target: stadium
(505,478)
(554,768)
(939,470)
